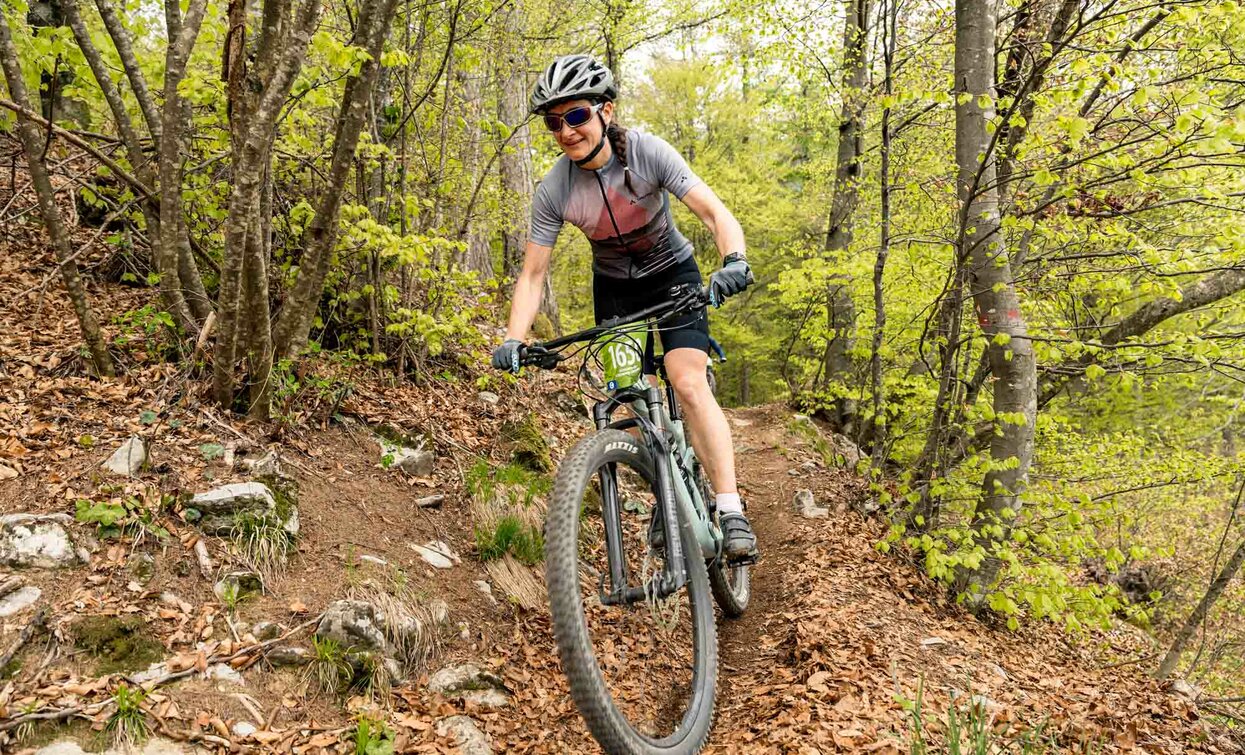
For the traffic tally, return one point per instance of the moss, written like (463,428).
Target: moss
(284,492)
(120,643)
(528,447)
(542,328)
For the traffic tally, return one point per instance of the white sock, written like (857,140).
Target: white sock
(729,503)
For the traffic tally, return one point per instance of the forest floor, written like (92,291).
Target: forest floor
(839,640)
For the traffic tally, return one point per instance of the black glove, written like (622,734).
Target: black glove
(506,356)
(734,277)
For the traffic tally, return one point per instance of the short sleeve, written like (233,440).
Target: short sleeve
(668,166)
(546,215)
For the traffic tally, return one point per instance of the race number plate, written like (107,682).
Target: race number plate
(622,356)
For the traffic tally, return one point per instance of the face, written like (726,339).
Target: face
(578,142)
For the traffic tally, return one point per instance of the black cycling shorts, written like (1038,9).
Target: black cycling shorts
(614,297)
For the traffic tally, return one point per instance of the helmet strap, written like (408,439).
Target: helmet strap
(600,145)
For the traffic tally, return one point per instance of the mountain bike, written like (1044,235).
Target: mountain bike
(633,620)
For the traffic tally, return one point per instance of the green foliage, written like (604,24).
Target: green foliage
(132,516)
(262,542)
(149,333)
(372,736)
(120,643)
(330,670)
(127,725)
(510,534)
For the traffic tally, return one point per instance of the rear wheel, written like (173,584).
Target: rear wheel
(732,585)
(643,675)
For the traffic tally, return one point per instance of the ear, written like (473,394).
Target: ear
(607,112)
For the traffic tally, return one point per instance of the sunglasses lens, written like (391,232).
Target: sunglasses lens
(577,117)
(553,122)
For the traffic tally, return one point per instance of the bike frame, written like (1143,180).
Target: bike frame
(662,433)
(665,437)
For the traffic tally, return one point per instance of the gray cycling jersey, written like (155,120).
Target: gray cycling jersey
(640,238)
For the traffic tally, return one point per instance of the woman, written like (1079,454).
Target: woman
(614,185)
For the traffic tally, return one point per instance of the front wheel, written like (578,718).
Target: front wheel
(643,675)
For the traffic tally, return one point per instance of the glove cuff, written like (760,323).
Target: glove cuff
(734,257)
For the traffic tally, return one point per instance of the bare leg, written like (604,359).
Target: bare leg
(709,430)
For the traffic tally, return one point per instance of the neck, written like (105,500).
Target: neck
(602,157)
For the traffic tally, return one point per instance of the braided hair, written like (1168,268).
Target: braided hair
(618,143)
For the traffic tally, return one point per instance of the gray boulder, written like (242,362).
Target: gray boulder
(355,625)
(807,506)
(224,507)
(19,600)
(417,462)
(466,733)
(40,541)
(289,655)
(240,584)
(128,460)
(469,682)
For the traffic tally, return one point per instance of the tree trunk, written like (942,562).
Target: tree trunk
(516,161)
(294,323)
(32,145)
(280,53)
(982,247)
(840,309)
(125,50)
(478,256)
(174,245)
(878,422)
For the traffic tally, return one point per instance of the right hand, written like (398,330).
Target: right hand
(506,356)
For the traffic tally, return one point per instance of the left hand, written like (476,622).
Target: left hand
(734,277)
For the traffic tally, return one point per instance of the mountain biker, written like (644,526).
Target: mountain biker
(614,184)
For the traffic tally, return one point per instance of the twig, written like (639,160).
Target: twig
(205,561)
(1142,659)
(138,186)
(36,623)
(8,584)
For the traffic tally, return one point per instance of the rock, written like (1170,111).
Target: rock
(867,505)
(289,655)
(487,589)
(809,466)
(467,733)
(223,672)
(41,541)
(267,630)
(846,452)
(469,682)
(793,472)
(489,397)
(268,465)
(430,502)
(355,625)
(243,729)
(7,473)
(400,451)
(153,746)
(439,610)
(239,584)
(19,600)
(999,671)
(740,422)
(374,560)
(221,508)
(151,673)
(807,506)
(437,554)
(142,566)
(1186,690)
(129,459)
(933,642)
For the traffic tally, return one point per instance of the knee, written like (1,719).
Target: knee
(692,388)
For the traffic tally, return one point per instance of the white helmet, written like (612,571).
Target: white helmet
(573,77)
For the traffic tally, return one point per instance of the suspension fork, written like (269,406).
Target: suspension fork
(673,576)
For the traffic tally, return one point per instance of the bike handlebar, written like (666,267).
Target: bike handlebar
(683,298)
